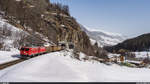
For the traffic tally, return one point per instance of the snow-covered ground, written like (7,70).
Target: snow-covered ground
(110,55)
(6,56)
(60,67)
(143,54)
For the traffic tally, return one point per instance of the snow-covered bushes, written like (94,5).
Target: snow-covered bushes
(5,31)
(10,36)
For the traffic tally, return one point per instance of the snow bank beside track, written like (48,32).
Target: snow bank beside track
(6,56)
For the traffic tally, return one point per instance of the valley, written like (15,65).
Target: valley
(76,53)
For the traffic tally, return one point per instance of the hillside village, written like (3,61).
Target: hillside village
(84,53)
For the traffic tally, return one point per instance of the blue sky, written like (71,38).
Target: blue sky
(128,17)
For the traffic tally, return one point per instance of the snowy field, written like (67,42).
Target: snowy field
(6,56)
(60,67)
(143,54)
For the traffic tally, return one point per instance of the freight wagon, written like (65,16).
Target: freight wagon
(53,48)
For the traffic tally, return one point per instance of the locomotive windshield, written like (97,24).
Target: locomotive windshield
(25,49)
(22,49)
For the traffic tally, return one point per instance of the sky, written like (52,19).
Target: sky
(128,17)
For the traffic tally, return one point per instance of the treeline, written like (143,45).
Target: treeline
(59,8)
(140,43)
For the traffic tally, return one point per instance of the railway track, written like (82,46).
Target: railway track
(11,63)
(8,64)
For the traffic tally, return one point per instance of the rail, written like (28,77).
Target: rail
(8,64)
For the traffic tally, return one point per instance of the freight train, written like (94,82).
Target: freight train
(27,52)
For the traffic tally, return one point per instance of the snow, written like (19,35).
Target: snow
(110,55)
(12,39)
(47,44)
(92,41)
(10,36)
(82,56)
(32,6)
(63,15)
(110,41)
(142,54)
(46,68)
(132,61)
(42,36)
(60,67)
(14,35)
(42,15)
(102,37)
(18,0)
(106,32)
(6,56)
(105,41)
(54,13)
(62,25)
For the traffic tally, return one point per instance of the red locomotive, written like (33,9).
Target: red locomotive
(32,51)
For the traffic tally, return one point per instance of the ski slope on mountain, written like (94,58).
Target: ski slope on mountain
(61,67)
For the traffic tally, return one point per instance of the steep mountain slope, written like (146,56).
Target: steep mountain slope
(12,37)
(140,43)
(51,21)
(104,38)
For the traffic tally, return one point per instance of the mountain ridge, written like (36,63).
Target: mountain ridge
(139,43)
(102,37)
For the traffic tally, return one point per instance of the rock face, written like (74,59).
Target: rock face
(51,20)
